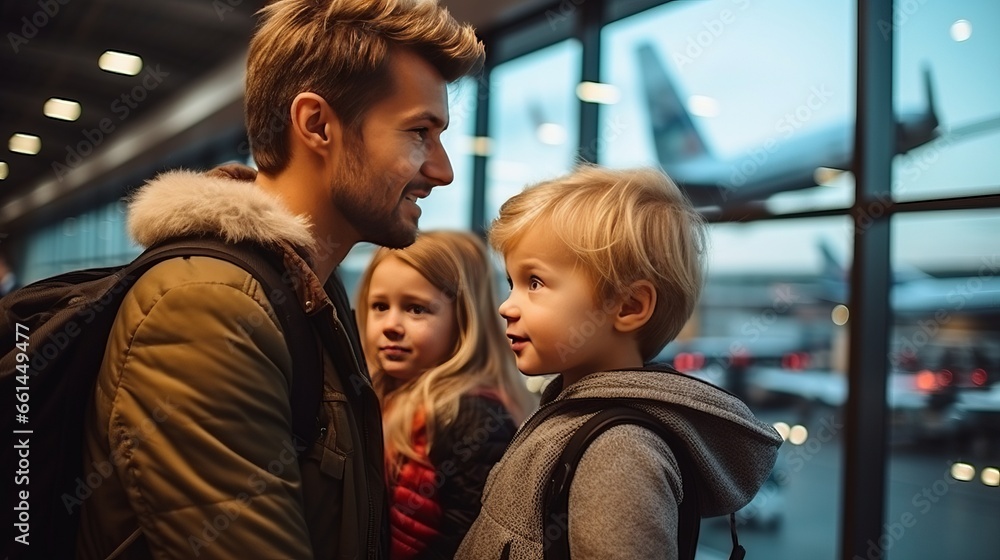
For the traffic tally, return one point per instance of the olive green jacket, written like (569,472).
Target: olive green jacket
(187,444)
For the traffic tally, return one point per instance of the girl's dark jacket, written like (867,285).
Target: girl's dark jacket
(432,507)
(188,438)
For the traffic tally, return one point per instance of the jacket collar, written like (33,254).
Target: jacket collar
(224,202)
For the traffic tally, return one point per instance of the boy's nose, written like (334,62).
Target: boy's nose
(508,310)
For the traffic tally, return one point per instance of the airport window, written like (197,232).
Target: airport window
(945,76)
(944,386)
(92,239)
(534,120)
(739,101)
(770,329)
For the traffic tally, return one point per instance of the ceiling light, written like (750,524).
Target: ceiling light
(62,109)
(4,170)
(703,106)
(551,134)
(480,145)
(120,63)
(25,144)
(594,92)
(963,471)
(961,30)
(840,315)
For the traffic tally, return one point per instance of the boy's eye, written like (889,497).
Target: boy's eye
(534,283)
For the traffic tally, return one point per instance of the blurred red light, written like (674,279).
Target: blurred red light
(683,362)
(945,377)
(979,377)
(740,358)
(926,381)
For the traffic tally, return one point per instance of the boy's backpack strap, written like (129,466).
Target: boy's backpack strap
(266,267)
(556,508)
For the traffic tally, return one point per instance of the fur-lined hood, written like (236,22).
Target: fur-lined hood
(224,202)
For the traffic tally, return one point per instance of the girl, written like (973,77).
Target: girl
(451,396)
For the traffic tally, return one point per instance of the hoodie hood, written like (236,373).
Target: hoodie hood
(732,449)
(225,203)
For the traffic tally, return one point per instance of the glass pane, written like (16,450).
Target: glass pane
(534,121)
(769,329)
(947,73)
(738,101)
(944,388)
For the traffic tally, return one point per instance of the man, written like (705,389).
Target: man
(188,442)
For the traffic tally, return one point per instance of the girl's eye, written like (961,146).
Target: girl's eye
(379,306)
(418,309)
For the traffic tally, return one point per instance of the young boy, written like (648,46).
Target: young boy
(605,267)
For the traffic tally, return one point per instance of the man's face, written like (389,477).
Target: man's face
(399,158)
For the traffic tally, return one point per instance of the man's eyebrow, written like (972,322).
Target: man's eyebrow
(436,120)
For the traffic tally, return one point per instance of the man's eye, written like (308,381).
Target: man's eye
(421,132)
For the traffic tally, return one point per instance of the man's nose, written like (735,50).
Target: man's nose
(437,167)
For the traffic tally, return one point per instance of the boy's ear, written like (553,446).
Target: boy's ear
(314,125)
(637,308)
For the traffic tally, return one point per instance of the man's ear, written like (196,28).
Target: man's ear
(636,308)
(314,124)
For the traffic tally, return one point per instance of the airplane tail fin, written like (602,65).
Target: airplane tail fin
(833,275)
(916,130)
(674,133)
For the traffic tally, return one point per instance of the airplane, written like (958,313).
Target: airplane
(781,164)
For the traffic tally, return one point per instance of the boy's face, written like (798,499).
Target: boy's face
(553,321)
(411,325)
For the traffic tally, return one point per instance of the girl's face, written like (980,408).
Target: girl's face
(411,323)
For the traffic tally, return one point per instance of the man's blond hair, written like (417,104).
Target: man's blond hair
(340,49)
(623,226)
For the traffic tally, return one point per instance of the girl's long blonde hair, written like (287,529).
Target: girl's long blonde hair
(457,264)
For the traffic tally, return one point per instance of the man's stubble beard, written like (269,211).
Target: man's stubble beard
(360,194)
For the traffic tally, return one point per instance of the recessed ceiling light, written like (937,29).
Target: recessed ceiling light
(594,92)
(62,109)
(703,106)
(961,30)
(120,63)
(4,170)
(25,144)
(551,133)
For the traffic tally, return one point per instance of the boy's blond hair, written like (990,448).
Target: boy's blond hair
(623,226)
(339,49)
(458,264)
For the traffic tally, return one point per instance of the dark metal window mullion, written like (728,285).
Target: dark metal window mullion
(864,472)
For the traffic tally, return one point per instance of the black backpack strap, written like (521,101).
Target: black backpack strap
(265,266)
(555,532)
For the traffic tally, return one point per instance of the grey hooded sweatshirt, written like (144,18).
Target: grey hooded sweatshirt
(623,500)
